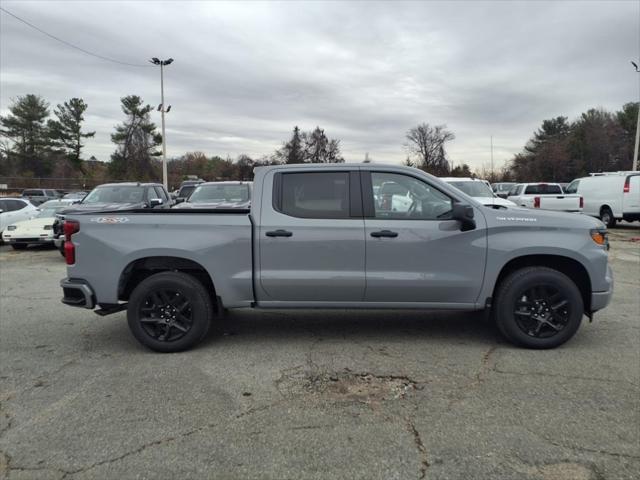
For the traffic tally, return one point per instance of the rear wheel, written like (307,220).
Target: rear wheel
(19,246)
(606,215)
(538,307)
(169,312)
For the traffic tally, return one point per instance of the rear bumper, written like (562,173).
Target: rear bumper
(77,293)
(600,300)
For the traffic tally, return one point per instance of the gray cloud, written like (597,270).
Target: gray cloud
(245,73)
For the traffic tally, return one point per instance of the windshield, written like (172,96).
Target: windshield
(115,194)
(50,211)
(474,189)
(220,193)
(504,187)
(542,189)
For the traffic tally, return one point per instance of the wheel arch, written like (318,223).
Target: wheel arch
(571,267)
(137,270)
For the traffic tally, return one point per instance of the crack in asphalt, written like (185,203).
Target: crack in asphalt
(578,448)
(559,375)
(422,450)
(140,449)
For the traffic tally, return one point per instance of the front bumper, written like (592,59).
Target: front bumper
(26,239)
(77,293)
(600,300)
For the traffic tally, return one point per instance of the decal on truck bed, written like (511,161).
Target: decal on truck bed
(110,220)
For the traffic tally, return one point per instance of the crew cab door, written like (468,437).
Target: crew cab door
(414,254)
(311,237)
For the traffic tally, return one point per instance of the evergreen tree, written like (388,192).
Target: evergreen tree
(25,127)
(66,131)
(137,142)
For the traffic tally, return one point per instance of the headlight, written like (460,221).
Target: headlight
(600,236)
(48,227)
(11,227)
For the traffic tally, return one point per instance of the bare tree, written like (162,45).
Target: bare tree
(427,144)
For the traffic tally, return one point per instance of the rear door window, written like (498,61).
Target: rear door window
(314,195)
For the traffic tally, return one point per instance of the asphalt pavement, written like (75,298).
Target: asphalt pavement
(314,395)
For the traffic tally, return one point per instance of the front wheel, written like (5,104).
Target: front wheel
(538,307)
(169,312)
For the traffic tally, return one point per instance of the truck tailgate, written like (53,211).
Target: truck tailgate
(566,203)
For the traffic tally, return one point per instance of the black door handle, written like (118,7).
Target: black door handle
(384,233)
(279,233)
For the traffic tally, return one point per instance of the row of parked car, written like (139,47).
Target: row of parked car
(22,223)
(609,196)
(29,220)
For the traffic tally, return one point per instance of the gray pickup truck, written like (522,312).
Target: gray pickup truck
(318,236)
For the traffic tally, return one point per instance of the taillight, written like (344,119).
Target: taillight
(581,202)
(70,227)
(536,202)
(627,186)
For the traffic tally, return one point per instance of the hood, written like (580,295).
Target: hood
(495,201)
(533,217)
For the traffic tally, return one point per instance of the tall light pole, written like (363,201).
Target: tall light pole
(635,150)
(162,109)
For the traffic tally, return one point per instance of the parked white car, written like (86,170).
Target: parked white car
(36,230)
(545,196)
(610,196)
(478,189)
(15,210)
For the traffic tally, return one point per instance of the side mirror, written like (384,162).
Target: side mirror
(464,214)
(154,202)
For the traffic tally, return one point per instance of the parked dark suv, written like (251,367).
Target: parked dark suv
(39,195)
(115,196)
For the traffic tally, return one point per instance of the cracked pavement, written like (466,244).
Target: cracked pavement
(310,395)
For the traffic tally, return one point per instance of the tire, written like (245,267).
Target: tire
(19,246)
(538,307)
(159,318)
(606,215)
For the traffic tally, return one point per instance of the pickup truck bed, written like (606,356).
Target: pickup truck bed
(545,197)
(317,236)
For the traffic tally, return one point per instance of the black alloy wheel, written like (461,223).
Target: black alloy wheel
(538,307)
(542,311)
(166,315)
(170,311)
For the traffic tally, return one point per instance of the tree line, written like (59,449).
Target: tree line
(596,141)
(37,141)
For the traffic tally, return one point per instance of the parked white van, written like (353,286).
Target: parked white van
(609,196)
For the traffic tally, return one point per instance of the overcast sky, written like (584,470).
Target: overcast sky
(246,73)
